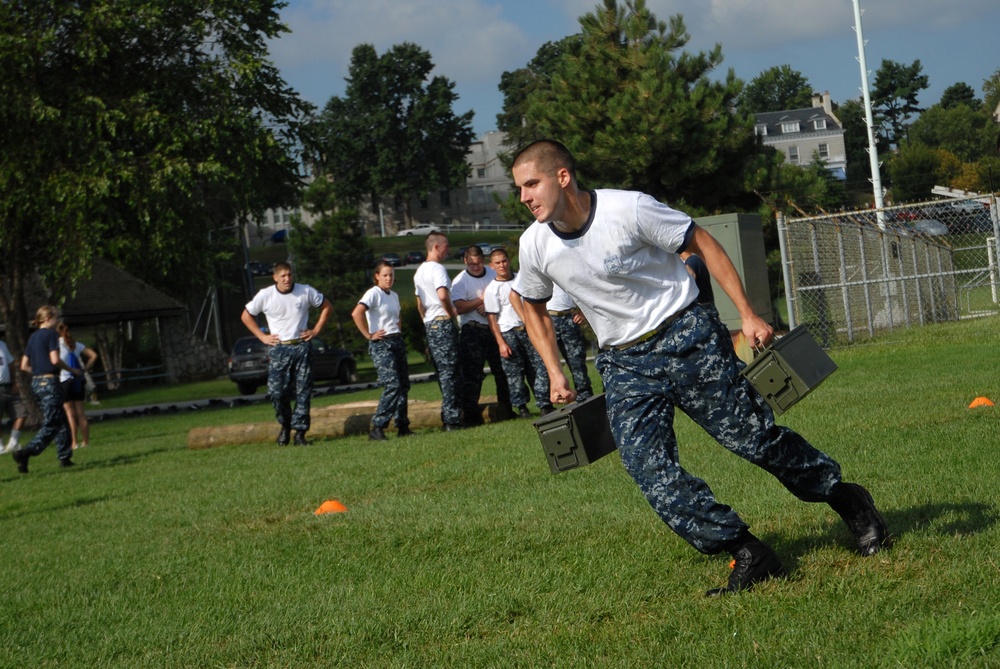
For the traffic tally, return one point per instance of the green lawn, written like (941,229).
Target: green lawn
(462,550)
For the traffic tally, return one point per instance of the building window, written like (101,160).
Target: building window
(423,201)
(481,172)
(399,203)
(824,151)
(445,197)
(760,130)
(820,124)
(793,154)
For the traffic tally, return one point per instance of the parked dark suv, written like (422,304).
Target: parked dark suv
(248,364)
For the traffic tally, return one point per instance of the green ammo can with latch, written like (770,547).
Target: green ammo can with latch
(789,369)
(576,434)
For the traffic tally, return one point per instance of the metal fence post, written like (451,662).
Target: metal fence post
(845,291)
(786,271)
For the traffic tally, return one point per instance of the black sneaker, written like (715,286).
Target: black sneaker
(855,505)
(753,562)
(522,412)
(545,411)
(404,431)
(283,436)
(300,438)
(67,463)
(376,434)
(21,458)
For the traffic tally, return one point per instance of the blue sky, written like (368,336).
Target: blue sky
(472,42)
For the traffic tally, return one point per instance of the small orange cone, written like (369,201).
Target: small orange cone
(330,506)
(980,402)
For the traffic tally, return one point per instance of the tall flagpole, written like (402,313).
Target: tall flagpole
(869,119)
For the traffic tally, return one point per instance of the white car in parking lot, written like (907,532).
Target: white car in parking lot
(422,229)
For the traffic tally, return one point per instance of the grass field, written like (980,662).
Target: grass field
(462,550)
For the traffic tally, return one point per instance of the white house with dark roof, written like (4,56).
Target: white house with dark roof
(805,134)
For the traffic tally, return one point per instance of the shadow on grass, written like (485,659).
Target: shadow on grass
(116,461)
(125,460)
(948,519)
(945,519)
(68,504)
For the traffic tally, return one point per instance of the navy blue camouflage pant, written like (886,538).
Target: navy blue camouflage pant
(289,376)
(573,347)
(477,346)
(691,365)
(523,364)
(442,341)
(54,427)
(389,356)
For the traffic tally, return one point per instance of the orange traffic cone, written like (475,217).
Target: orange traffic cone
(980,402)
(330,506)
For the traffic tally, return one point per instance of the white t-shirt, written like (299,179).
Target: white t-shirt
(6,360)
(383,310)
(427,279)
(496,299)
(287,314)
(468,287)
(621,268)
(64,355)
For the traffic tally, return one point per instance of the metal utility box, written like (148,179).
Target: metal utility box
(742,236)
(577,434)
(788,369)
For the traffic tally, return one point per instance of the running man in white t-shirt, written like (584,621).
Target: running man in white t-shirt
(377,318)
(616,254)
(286,305)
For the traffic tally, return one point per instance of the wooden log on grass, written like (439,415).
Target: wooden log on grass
(329,422)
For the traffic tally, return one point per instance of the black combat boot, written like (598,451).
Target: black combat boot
(855,505)
(753,562)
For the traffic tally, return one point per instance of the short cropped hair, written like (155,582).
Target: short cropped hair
(548,155)
(434,238)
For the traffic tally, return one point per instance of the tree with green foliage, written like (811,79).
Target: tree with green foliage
(991,92)
(394,133)
(132,130)
(894,97)
(637,113)
(917,168)
(334,256)
(776,89)
(791,188)
(959,94)
(518,85)
(970,133)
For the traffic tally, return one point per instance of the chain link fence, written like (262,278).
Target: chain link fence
(851,275)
